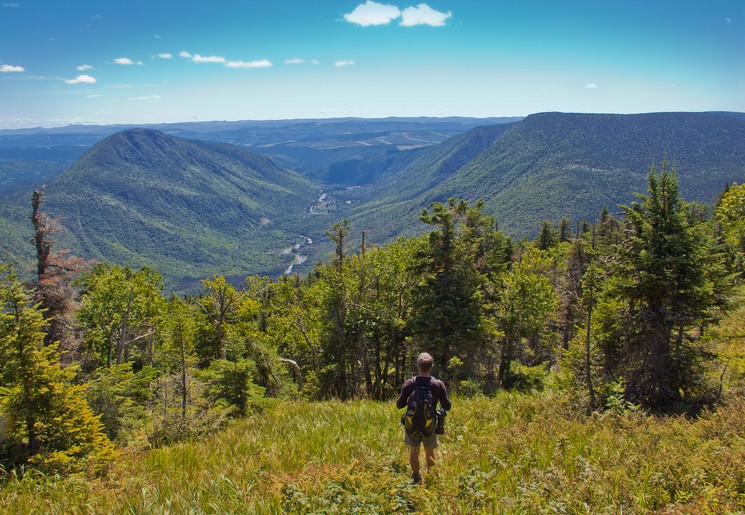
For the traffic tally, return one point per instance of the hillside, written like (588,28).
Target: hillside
(392,205)
(555,165)
(192,208)
(514,453)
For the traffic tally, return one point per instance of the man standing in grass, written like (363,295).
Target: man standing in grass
(423,387)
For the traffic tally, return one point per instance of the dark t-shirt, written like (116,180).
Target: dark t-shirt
(437,387)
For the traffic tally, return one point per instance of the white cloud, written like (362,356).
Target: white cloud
(591,86)
(12,4)
(301,61)
(82,79)
(208,59)
(165,55)
(7,68)
(185,55)
(126,61)
(341,64)
(95,95)
(373,13)
(252,64)
(423,14)
(84,67)
(149,97)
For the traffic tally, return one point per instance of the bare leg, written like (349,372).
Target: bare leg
(414,459)
(429,455)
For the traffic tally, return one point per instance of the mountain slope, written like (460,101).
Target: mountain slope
(554,165)
(190,208)
(393,205)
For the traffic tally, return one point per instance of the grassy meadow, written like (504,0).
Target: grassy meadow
(512,453)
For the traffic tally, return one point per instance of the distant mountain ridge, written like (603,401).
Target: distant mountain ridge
(191,207)
(336,150)
(554,165)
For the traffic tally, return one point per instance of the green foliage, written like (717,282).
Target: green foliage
(667,285)
(455,264)
(120,397)
(171,421)
(230,385)
(731,213)
(119,308)
(524,303)
(49,423)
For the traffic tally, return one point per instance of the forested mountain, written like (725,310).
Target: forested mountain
(190,208)
(193,208)
(335,150)
(554,165)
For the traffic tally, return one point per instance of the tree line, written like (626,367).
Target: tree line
(616,309)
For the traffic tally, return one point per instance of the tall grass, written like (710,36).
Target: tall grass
(515,453)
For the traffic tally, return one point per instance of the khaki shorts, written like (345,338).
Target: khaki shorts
(430,442)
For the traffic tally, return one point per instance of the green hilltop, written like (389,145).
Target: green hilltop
(191,208)
(554,165)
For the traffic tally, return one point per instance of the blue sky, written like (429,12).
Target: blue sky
(148,61)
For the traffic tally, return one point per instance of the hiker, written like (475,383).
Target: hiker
(422,421)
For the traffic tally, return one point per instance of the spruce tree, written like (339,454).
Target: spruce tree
(664,289)
(50,423)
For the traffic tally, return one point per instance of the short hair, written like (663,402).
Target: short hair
(424,362)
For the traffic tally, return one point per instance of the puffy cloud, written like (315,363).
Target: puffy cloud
(252,64)
(207,59)
(341,64)
(7,68)
(126,61)
(82,79)
(301,61)
(185,55)
(12,4)
(165,55)
(84,67)
(591,86)
(373,13)
(423,14)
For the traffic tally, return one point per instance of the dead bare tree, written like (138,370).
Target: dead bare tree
(55,271)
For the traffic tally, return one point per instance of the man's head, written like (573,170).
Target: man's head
(424,362)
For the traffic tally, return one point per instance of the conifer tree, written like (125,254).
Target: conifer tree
(448,312)
(50,423)
(548,237)
(665,287)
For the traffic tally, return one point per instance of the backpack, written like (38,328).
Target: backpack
(420,418)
